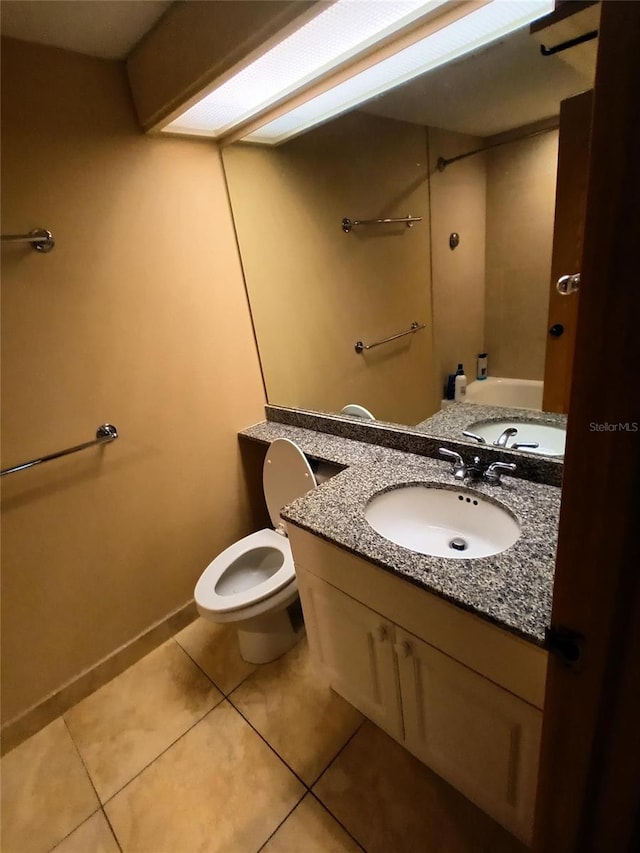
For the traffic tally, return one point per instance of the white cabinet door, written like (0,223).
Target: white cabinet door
(354,647)
(479,737)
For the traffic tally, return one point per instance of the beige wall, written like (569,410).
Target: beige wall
(138,317)
(458,202)
(314,290)
(521,186)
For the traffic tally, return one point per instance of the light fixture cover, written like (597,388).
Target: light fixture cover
(340,32)
(473,31)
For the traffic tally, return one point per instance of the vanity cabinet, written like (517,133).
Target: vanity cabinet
(353,646)
(482,739)
(463,696)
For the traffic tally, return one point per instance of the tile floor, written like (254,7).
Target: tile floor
(192,750)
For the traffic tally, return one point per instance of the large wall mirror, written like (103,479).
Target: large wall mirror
(317,289)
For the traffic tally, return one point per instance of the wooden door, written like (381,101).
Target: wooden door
(482,739)
(589,786)
(568,237)
(354,647)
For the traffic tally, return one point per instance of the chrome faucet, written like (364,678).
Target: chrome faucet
(504,437)
(460,469)
(496,470)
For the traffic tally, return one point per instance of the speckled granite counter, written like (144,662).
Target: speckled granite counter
(513,589)
(530,466)
(322,446)
(450,422)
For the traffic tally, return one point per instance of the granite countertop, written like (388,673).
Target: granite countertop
(512,589)
(451,421)
(320,445)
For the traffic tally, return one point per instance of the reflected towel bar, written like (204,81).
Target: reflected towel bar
(443,162)
(104,434)
(41,240)
(347,224)
(415,327)
(565,45)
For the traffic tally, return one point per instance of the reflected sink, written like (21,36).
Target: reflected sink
(442,522)
(550,439)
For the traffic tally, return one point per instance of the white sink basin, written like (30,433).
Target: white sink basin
(442,522)
(550,439)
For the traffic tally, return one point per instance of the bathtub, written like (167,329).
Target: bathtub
(499,391)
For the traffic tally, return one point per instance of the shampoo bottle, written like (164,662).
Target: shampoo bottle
(482,366)
(460,385)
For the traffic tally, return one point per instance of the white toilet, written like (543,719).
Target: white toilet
(253,581)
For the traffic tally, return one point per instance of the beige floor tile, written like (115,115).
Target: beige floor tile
(215,649)
(297,713)
(310,828)
(46,792)
(93,836)
(388,800)
(124,725)
(219,788)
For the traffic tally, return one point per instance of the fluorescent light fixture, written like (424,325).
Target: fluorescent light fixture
(340,32)
(478,28)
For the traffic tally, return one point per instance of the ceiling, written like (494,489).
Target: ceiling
(106,28)
(505,85)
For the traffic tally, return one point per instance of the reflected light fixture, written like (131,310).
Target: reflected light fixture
(471,32)
(341,31)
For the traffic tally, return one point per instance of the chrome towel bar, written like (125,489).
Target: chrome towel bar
(41,240)
(347,224)
(104,434)
(415,327)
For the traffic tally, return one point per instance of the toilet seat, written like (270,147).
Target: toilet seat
(256,573)
(208,594)
(286,475)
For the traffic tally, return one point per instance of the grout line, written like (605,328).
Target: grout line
(284,819)
(166,749)
(212,680)
(99,798)
(110,825)
(263,738)
(338,753)
(195,662)
(337,820)
(82,823)
(81,757)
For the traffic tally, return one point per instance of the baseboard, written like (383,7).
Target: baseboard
(44,712)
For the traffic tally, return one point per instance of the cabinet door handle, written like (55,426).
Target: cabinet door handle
(403,649)
(381,633)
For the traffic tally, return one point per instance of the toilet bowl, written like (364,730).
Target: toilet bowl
(253,581)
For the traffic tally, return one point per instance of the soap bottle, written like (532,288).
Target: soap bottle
(460,385)
(482,366)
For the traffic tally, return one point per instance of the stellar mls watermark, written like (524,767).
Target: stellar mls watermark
(621,426)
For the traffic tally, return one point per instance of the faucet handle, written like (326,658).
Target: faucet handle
(451,454)
(459,468)
(524,445)
(475,435)
(496,469)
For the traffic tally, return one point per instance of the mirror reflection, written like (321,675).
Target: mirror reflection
(465,157)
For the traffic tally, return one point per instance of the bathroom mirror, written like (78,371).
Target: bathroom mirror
(469,273)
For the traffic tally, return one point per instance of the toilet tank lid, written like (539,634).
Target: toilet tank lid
(286,475)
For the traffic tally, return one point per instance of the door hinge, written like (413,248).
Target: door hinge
(565,643)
